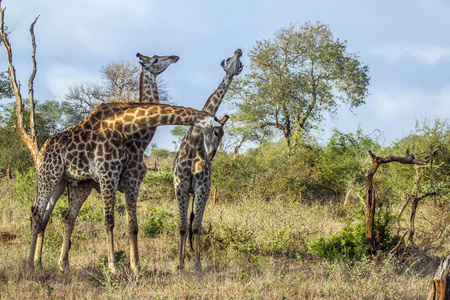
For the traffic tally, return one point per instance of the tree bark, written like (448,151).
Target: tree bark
(215,196)
(440,286)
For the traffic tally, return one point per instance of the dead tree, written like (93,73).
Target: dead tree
(30,139)
(370,190)
(440,287)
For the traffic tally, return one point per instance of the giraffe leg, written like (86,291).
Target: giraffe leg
(201,196)
(108,190)
(78,196)
(48,211)
(47,183)
(200,203)
(183,203)
(131,195)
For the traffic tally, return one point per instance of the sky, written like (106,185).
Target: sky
(405,43)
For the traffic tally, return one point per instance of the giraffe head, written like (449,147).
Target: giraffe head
(156,64)
(213,136)
(233,66)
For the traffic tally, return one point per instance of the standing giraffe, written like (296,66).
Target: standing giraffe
(192,166)
(134,170)
(94,149)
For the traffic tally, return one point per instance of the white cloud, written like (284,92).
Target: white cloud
(401,102)
(429,55)
(60,77)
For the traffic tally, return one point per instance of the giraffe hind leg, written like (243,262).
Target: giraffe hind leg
(78,196)
(183,203)
(108,188)
(191,219)
(200,204)
(131,195)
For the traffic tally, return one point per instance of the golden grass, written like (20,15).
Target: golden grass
(252,266)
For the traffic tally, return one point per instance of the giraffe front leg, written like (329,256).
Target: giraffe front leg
(35,225)
(44,221)
(37,217)
(78,196)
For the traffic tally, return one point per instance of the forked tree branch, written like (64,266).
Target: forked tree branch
(370,190)
(29,139)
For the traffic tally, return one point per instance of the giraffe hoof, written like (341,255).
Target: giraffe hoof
(180,269)
(64,266)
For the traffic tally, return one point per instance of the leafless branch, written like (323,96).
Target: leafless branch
(30,141)
(30,83)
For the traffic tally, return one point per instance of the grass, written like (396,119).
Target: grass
(251,249)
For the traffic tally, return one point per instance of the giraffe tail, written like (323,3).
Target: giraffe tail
(191,219)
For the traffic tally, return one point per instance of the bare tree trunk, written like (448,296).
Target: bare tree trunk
(29,139)
(411,220)
(371,204)
(370,190)
(440,287)
(215,196)
(413,213)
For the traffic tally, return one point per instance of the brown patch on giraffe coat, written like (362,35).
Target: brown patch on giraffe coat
(198,165)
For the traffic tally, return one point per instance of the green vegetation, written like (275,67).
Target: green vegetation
(288,218)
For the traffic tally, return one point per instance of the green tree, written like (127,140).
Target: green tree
(5,87)
(297,76)
(51,117)
(178,132)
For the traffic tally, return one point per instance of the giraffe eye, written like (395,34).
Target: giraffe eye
(216,133)
(155,61)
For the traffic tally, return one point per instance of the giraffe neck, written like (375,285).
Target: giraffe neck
(129,118)
(214,101)
(148,90)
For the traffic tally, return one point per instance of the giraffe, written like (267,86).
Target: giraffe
(192,166)
(94,149)
(135,168)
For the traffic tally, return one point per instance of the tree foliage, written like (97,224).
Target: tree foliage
(297,76)
(5,87)
(51,117)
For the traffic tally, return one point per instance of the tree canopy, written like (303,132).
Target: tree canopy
(296,77)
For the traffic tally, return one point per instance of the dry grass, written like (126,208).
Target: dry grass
(251,250)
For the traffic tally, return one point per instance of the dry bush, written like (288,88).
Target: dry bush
(251,249)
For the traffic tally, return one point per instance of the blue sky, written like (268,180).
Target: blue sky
(406,45)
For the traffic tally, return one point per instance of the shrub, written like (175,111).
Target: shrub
(24,191)
(159,221)
(158,185)
(348,244)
